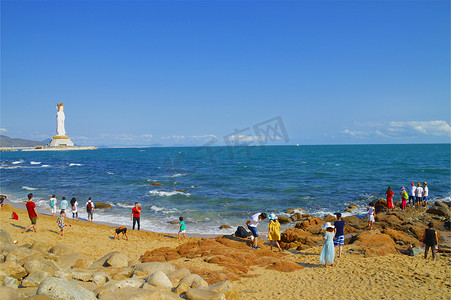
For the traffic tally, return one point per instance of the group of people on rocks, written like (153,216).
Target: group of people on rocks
(417,196)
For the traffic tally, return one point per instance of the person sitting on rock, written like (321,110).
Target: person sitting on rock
(122,230)
(252,224)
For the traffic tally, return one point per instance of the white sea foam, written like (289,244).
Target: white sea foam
(176,175)
(156,208)
(74,164)
(125,205)
(110,173)
(17,162)
(45,166)
(29,188)
(35,162)
(166,194)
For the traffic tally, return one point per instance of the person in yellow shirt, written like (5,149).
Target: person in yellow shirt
(274,230)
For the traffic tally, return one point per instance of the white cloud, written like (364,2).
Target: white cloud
(3,130)
(406,129)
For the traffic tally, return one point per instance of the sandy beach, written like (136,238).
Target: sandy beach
(393,276)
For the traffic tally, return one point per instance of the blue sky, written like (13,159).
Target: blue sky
(189,72)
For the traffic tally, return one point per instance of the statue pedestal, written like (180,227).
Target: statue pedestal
(61,141)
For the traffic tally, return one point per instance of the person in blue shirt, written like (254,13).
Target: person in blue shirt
(63,205)
(182,229)
(339,239)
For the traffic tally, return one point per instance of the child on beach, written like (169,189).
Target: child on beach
(122,230)
(182,229)
(274,230)
(60,222)
(328,252)
(371,215)
(404,197)
(389,194)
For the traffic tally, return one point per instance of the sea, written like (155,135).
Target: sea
(214,186)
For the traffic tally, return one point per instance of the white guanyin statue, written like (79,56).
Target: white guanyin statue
(60,117)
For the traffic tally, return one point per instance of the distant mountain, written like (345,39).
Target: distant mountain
(6,141)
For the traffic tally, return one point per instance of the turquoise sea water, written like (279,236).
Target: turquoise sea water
(224,185)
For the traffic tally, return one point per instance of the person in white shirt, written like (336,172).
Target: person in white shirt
(419,192)
(53,205)
(252,224)
(74,208)
(425,194)
(412,194)
(371,215)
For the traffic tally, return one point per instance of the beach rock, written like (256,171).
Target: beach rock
(117,260)
(38,297)
(178,274)
(416,251)
(113,259)
(293,210)
(353,206)
(225,287)
(156,184)
(33,265)
(60,250)
(40,246)
(114,286)
(224,227)
(202,294)
(34,279)
(58,288)
(90,286)
(11,282)
(13,269)
(19,253)
(296,217)
(439,210)
(69,260)
(27,292)
(99,278)
(8,293)
(284,220)
(159,279)
(101,205)
(133,293)
(380,205)
(81,275)
(181,191)
(371,243)
(181,288)
(330,218)
(5,238)
(311,224)
(151,267)
(194,281)
(401,238)
(123,274)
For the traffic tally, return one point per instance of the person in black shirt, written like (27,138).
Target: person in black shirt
(430,240)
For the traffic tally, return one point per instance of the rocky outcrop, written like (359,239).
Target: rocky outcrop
(101,205)
(371,243)
(60,250)
(440,209)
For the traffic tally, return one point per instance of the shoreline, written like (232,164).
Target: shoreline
(46,212)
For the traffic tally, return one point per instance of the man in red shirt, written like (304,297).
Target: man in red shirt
(136,212)
(32,213)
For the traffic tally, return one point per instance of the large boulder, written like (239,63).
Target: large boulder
(151,267)
(99,278)
(62,289)
(194,281)
(380,205)
(176,275)
(101,205)
(439,209)
(311,224)
(113,259)
(225,287)
(159,279)
(33,265)
(13,269)
(5,238)
(134,293)
(40,246)
(34,279)
(8,293)
(70,260)
(115,286)
(202,294)
(60,250)
(284,220)
(371,243)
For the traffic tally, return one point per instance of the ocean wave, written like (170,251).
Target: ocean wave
(35,162)
(17,162)
(110,173)
(125,205)
(156,208)
(29,188)
(45,166)
(74,164)
(166,194)
(175,175)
